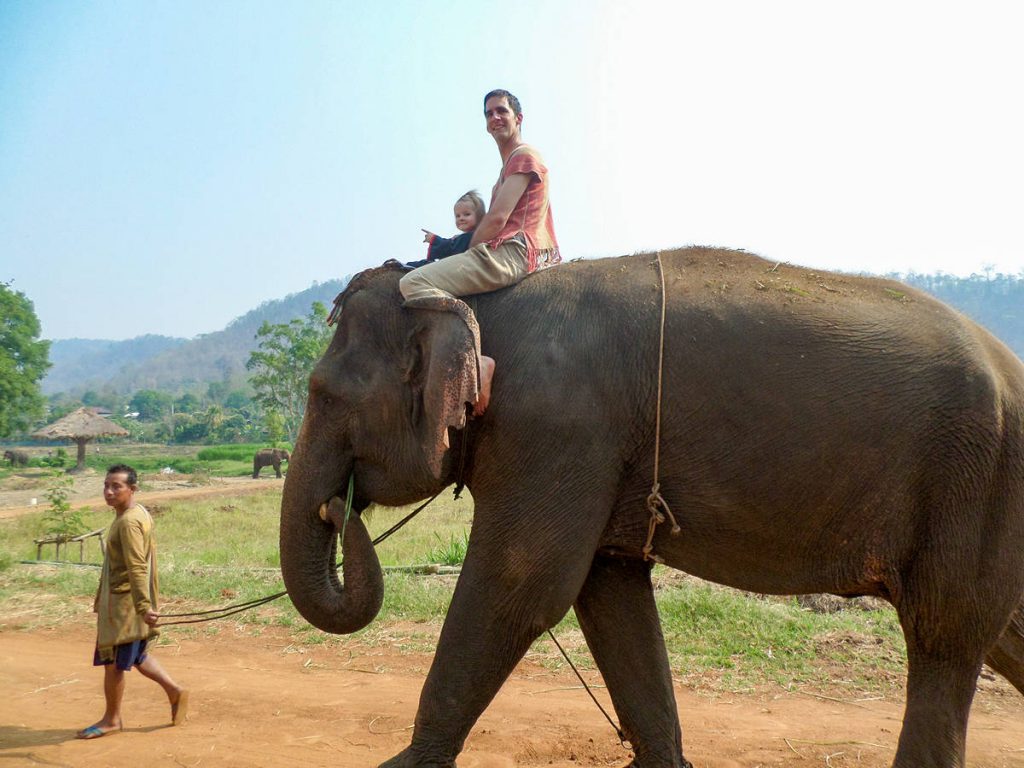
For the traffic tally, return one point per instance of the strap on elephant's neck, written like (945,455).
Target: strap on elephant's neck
(655,501)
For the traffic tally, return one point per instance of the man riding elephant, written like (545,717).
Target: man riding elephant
(515,237)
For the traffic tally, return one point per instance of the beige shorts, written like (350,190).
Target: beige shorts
(478,270)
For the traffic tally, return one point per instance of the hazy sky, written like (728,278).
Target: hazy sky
(167,166)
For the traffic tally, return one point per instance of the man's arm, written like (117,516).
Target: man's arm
(504,203)
(133,547)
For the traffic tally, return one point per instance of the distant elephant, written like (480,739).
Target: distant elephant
(16,458)
(266,457)
(819,433)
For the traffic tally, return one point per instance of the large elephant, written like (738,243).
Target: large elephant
(16,458)
(818,433)
(267,457)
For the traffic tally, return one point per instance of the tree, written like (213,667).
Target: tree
(187,403)
(282,363)
(150,404)
(237,400)
(60,519)
(24,359)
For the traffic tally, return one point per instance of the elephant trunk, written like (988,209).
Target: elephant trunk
(308,542)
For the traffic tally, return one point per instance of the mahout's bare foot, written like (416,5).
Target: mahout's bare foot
(486,377)
(179,707)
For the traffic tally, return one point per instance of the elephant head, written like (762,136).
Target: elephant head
(381,400)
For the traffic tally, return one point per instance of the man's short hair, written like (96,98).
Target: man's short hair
(513,102)
(128,472)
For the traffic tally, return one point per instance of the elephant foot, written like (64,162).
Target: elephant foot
(406,759)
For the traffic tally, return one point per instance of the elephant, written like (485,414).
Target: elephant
(266,457)
(790,431)
(16,458)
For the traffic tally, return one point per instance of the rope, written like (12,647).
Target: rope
(230,610)
(655,501)
(618,731)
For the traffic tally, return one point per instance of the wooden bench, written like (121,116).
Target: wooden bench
(63,539)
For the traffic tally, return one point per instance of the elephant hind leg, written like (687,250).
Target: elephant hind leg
(948,635)
(1007,656)
(619,619)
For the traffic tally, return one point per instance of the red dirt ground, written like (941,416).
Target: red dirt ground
(259,700)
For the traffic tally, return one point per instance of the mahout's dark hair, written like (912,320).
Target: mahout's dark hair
(124,469)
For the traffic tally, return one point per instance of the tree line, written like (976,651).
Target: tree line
(265,406)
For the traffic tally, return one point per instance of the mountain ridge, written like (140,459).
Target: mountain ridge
(169,363)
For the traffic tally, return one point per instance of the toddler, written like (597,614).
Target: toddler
(469,210)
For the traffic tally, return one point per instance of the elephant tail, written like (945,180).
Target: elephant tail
(1007,656)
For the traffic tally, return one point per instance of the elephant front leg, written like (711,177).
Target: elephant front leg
(509,592)
(619,619)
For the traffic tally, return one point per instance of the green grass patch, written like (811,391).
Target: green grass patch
(230,460)
(234,452)
(224,550)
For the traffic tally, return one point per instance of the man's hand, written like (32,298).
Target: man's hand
(151,617)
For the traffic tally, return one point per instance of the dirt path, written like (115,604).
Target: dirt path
(88,491)
(263,701)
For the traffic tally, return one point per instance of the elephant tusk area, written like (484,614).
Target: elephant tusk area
(324,514)
(333,512)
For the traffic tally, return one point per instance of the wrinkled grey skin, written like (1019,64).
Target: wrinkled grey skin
(16,458)
(819,433)
(267,457)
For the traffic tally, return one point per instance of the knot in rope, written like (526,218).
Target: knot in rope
(655,505)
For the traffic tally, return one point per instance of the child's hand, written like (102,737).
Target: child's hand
(428,236)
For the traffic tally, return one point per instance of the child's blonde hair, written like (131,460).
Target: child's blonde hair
(473,198)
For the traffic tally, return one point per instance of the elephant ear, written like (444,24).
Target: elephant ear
(446,375)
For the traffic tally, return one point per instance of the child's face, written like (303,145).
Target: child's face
(465,217)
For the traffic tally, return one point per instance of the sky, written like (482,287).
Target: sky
(167,166)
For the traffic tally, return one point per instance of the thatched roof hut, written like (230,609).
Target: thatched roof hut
(81,426)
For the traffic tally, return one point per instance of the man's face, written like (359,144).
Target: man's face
(116,491)
(502,122)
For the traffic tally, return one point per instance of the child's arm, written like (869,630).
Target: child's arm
(440,247)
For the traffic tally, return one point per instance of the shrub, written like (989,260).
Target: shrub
(451,552)
(60,519)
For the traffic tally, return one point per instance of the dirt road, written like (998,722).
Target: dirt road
(263,701)
(87,491)
(266,700)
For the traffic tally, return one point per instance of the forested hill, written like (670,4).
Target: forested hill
(83,360)
(173,365)
(994,301)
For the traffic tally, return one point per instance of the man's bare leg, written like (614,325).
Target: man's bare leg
(176,695)
(113,692)
(486,377)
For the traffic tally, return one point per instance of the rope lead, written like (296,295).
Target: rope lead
(655,501)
